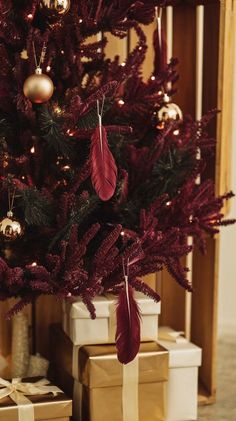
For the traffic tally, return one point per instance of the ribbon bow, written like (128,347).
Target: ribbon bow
(18,392)
(170,335)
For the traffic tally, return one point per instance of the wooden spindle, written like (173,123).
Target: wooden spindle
(198,115)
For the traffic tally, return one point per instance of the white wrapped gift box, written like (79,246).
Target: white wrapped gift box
(78,325)
(182,388)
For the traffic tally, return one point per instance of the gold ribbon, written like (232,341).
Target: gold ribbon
(130,404)
(130,385)
(18,392)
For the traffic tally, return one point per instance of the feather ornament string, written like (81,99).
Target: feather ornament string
(128,323)
(103,166)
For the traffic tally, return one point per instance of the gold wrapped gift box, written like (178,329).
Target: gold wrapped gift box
(46,407)
(102,379)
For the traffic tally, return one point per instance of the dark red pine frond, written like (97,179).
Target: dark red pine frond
(141,286)
(103,166)
(82,175)
(87,300)
(19,306)
(128,326)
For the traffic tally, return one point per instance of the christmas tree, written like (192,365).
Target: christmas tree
(98,168)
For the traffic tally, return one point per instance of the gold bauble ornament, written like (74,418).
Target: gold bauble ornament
(38,88)
(168,113)
(55,9)
(10,228)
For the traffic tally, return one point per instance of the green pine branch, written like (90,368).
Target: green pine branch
(50,130)
(37,209)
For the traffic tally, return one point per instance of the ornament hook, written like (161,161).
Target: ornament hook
(158,12)
(126,280)
(100,114)
(42,57)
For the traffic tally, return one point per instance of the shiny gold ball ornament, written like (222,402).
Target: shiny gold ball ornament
(168,113)
(38,88)
(11,228)
(54,10)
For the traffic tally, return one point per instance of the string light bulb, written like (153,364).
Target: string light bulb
(121,102)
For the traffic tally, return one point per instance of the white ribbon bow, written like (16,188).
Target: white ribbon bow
(18,392)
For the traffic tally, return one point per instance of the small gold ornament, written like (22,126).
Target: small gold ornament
(168,113)
(55,9)
(10,228)
(38,88)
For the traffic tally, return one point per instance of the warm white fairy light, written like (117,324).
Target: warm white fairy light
(168,203)
(30,16)
(80,20)
(123,64)
(70,133)
(57,110)
(66,167)
(32,150)
(48,68)
(34,264)
(122,233)
(176,132)
(153,77)
(121,102)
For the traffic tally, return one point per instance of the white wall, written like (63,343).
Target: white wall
(227,274)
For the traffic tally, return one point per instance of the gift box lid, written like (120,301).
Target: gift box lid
(181,353)
(146,304)
(46,406)
(99,366)
(77,309)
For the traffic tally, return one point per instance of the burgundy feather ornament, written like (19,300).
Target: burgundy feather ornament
(128,325)
(103,166)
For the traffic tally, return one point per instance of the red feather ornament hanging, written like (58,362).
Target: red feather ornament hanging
(128,326)
(103,166)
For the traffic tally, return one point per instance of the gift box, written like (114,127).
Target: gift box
(182,386)
(33,399)
(78,325)
(105,389)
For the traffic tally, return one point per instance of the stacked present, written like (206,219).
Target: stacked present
(33,400)
(159,384)
(28,395)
